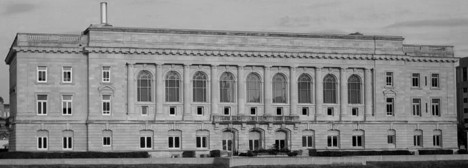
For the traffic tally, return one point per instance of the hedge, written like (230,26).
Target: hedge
(215,153)
(435,152)
(313,152)
(51,155)
(188,154)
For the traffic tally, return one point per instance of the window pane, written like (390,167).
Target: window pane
(304,89)
(142,142)
(279,89)
(329,89)
(177,142)
(144,86)
(148,142)
(253,88)
(354,90)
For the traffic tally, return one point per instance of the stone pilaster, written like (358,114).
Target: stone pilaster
(267,90)
(241,90)
(343,92)
(293,91)
(159,89)
(187,91)
(368,92)
(130,89)
(214,90)
(318,91)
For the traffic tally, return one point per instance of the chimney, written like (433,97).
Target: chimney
(104,13)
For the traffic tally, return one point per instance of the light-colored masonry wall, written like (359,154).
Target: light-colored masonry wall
(340,57)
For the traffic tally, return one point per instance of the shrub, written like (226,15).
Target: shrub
(293,153)
(251,153)
(462,151)
(312,152)
(360,153)
(46,155)
(215,153)
(435,152)
(188,154)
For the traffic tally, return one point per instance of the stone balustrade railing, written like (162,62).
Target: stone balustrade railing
(255,119)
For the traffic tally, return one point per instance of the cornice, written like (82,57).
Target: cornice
(70,50)
(260,54)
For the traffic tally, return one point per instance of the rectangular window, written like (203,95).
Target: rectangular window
(145,142)
(201,142)
(465,74)
(305,111)
(42,104)
(66,105)
(415,81)
(42,143)
(389,78)
(332,141)
(253,111)
(174,142)
(67,74)
(106,74)
(435,80)
(391,139)
(465,110)
(357,140)
(144,110)
(307,141)
(200,110)
(355,111)
(106,104)
(465,90)
(67,143)
(465,100)
(417,107)
(172,111)
(279,111)
(436,107)
(389,104)
(417,140)
(330,111)
(227,111)
(42,74)
(106,141)
(437,140)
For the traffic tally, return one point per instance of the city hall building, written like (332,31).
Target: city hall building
(170,90)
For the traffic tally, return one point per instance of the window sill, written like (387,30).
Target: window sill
(42,83)
(389,87)
(416,88)
(67,83)
(435,88)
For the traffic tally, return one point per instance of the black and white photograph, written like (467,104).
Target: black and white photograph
(233,83)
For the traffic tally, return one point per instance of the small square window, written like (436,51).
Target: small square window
(465,90)
(172,111)
(355,111)
(227,111)
(465,110)
(253,111)
(279,111)
(330,111)
(144,110)
(305,111)
(200,110)
(465,100)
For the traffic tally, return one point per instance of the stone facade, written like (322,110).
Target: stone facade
(462,99)
(367,122)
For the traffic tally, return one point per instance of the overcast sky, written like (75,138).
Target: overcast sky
(434,22)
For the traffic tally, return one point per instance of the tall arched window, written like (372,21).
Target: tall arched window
(329,89)
(253,88)
(354,90)
(227,87)
(304,85)
(144,86)
(279,88)
(172,86)
(199,87)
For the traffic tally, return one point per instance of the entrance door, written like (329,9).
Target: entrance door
(228,141)
(280,140)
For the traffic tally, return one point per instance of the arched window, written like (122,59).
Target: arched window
(253,88)
(199,87)
(329,89)
(281,140)
(304,85)
(227,87)
(172,86)
(308,138)
(358,138)
(279,88)
(354,90)
(228,140)
(144,86)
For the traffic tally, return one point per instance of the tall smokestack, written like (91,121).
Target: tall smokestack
(104,13)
